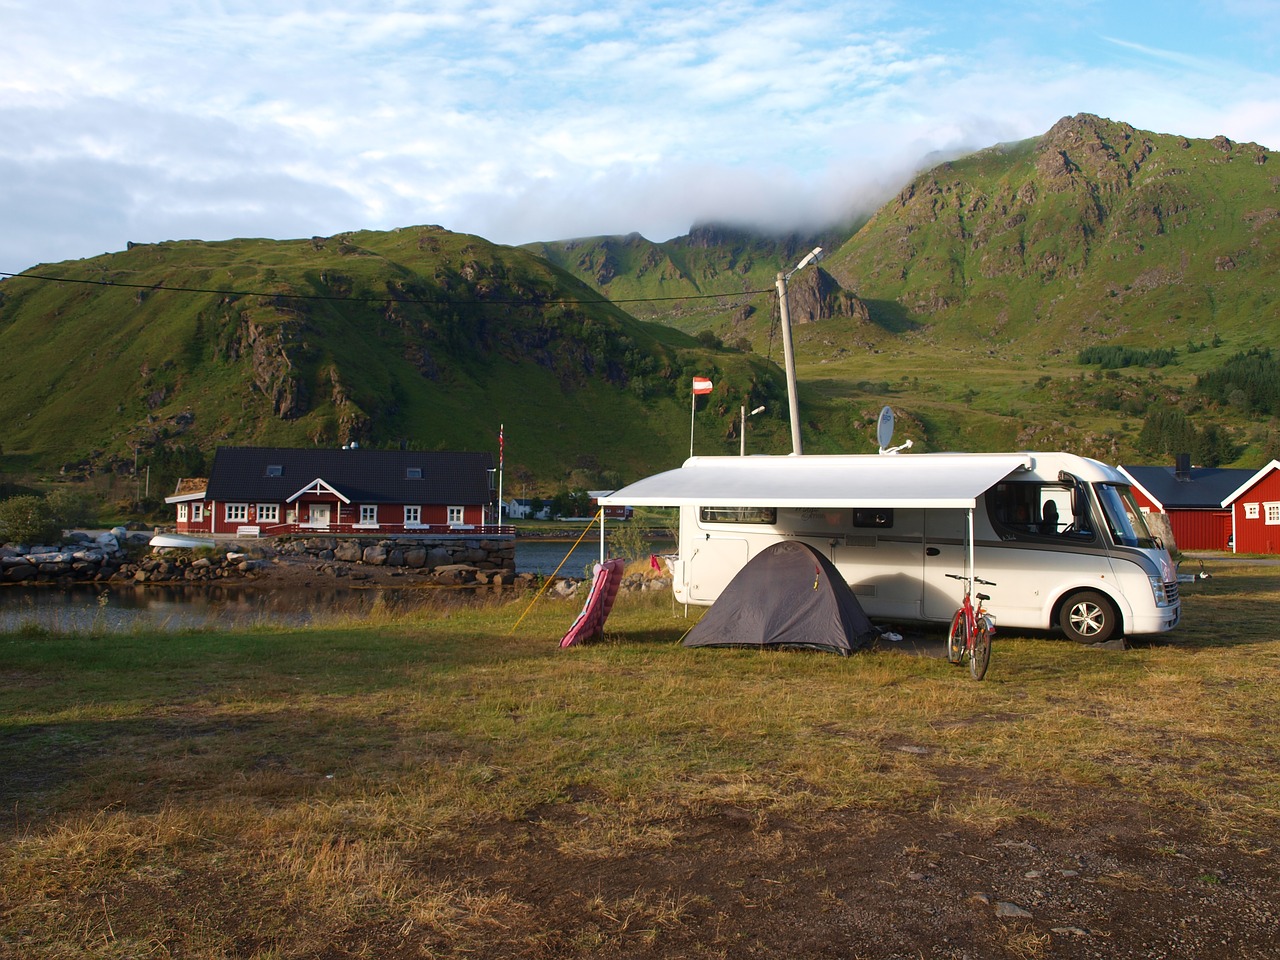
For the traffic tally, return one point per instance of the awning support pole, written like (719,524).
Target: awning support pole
(972,557)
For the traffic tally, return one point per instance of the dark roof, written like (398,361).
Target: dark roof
(1205,486)
(362,476)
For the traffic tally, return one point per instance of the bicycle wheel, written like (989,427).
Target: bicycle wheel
(956,638)
(980,655)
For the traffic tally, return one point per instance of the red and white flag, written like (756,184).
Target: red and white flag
(701,385)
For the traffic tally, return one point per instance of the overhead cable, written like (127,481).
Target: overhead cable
(438,301)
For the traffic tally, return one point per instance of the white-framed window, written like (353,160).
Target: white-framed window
(268,513)
(197,512)
(237,512)
(182,513)
(368,514)
(413,516)
(1251,511)
(457,515)
(1273,514)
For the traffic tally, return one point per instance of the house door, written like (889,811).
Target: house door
(319,515)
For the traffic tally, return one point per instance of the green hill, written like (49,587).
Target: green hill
(1098,289)
(418,337)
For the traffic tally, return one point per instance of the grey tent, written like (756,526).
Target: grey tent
(788,595)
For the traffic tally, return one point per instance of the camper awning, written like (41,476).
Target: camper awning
(927,480)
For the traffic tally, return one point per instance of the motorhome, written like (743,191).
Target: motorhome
(1060,535)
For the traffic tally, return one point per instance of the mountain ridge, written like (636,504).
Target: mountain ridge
(966,301)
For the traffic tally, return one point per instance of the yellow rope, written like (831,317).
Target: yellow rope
(547,583)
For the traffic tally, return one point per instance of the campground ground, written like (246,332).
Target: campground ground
(450,786)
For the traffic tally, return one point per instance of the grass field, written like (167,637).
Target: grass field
(431,783)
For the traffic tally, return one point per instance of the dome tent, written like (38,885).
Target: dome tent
(788,595)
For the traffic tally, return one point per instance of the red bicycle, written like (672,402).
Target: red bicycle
(971,630)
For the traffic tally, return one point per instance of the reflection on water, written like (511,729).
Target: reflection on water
(122,607)
(544,556)
(114,609)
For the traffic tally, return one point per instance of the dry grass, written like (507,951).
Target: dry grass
(336,773)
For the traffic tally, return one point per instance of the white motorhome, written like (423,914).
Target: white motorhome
(1060,535)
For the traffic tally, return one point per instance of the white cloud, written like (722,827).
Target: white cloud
(517,121)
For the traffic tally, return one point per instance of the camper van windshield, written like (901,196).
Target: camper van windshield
(1124,519)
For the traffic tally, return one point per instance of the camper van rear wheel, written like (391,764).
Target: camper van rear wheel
(1088,617)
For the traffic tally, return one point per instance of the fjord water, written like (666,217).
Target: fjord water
(229,605)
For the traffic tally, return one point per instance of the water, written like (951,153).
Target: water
(122,607)
(98,608)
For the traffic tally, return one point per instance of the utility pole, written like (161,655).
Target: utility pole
(788,351)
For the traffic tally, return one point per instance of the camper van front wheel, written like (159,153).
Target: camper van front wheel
(1088,617)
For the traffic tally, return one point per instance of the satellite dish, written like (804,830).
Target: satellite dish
(884,433)
(884,430)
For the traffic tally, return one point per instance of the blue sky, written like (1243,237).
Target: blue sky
(516,120)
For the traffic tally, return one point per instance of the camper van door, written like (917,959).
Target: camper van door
(945,551)
(714,561)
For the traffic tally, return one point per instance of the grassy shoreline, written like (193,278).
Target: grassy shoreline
(320,789)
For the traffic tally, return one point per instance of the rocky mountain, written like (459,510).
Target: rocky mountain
(1093,232)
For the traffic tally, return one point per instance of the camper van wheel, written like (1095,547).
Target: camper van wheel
(1088,617)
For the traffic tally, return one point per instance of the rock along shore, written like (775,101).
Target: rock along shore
(119,556)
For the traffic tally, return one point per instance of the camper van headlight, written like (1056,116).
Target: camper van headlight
(1158,591)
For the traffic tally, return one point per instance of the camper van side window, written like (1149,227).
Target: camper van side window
(1034,511)
(738,514)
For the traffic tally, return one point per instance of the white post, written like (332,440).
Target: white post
(501,457)
(972,554)
(693,400)
(789,359)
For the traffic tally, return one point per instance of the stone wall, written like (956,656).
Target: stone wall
(78,557)
(119,555)
(417,553)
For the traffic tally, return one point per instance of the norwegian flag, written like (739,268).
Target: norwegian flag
(701,385)
(499,444)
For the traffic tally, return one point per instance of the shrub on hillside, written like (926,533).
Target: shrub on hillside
(28,519)
(71,508)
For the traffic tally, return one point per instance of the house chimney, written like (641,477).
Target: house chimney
(1182,467)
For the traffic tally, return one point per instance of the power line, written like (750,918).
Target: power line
(439,301)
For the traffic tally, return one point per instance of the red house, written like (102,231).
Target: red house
(1191,497)
(1255,512)
(269,491)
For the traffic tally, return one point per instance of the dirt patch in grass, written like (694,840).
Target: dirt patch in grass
(727,881)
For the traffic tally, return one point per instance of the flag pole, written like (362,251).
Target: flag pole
(500,459)
(697,385)
(693,400)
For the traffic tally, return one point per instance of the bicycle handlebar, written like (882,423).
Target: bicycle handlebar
(960,576)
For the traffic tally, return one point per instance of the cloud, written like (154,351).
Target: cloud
(519,121)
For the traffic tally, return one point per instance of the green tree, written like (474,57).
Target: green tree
(71,508)
(28,519)
(1166,432)
(627,540)
(562,504)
